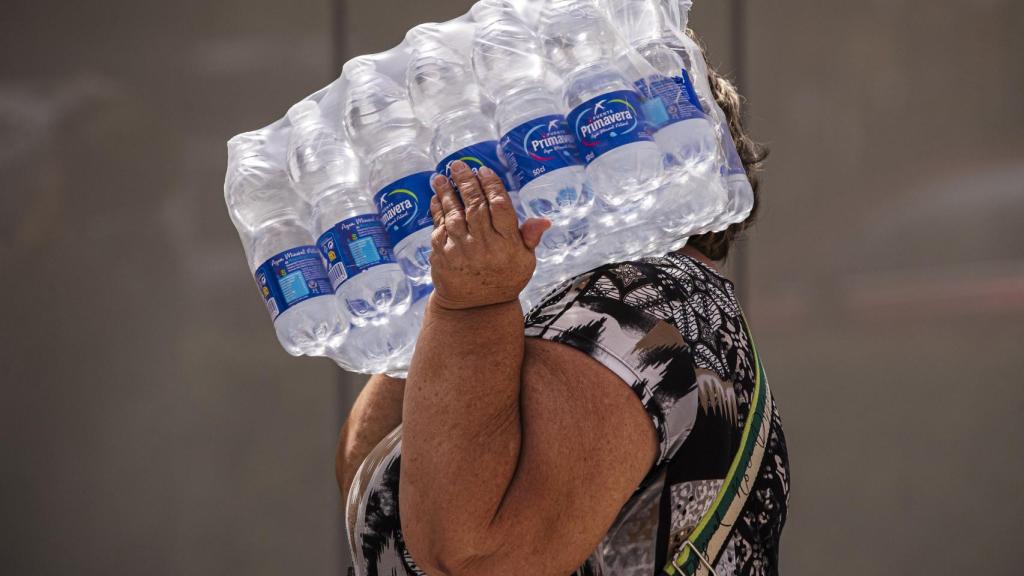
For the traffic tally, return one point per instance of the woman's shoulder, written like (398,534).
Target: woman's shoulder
(668,302)
(673,288)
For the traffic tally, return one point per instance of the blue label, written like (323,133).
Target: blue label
(476,156)
(354,245)
(539,146)
(609,121)
(669,100)
(291,277)
(420,291)
(404,206)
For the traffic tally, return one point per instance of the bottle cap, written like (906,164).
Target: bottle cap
(304,114)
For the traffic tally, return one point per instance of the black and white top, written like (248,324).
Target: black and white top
(671,328)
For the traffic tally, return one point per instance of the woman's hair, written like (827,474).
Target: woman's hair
(715,245)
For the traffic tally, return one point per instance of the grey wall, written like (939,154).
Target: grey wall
(150,423)
(887,277)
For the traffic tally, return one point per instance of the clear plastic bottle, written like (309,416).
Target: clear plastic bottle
(380,120)
(681,123)
(680,120)
(623,162)
(281,251)
(370,287)
(740,192)
(536,141)
(444,91)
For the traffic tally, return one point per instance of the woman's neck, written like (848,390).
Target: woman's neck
(698,255)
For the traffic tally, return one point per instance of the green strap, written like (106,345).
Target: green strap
(700,550)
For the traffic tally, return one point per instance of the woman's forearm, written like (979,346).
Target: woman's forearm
(461,426)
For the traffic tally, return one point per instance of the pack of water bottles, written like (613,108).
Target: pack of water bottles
(598,114)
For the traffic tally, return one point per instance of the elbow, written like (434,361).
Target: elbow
(444,553)
(446,550)
(435,554)
(469,563)
(443,566)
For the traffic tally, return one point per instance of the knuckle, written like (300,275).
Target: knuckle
(468,193)
(475,206)
(437,240)
(494,186)
(501,205)
(468,184)
(455,223)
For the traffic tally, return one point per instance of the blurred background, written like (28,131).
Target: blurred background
(150,423)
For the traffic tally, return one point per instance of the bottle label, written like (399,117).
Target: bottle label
(609,121)
(291,277)
(420,291)
(669,100)
(476,156)
(404,206)
(539,146)
(354,245)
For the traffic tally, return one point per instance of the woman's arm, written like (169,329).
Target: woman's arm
(376,412)
(517,455)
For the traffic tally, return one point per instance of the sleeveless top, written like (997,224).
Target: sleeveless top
(672,329)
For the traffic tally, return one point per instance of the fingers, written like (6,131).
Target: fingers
(478,216)
(503,214)
(439,236)
(451,207)
(533,229)
(435,211)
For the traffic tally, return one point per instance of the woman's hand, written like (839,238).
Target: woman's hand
(480,255)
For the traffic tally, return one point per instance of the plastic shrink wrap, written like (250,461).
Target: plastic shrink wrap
(598,115)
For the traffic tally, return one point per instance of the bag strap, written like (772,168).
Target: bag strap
(699,552)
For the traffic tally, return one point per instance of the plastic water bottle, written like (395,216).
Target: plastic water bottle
(680,122)
(282,253)
(536,141)
(678,11)
(445,93)
(622,160)
(370,287)
(381,122)
(740,192)
(682,127)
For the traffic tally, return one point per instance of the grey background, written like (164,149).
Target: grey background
(149,422)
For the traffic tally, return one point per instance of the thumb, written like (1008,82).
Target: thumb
(532,230)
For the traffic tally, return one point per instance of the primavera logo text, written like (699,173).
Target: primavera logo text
(611,117)
(399,207)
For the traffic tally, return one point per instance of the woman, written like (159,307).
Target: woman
(591,443)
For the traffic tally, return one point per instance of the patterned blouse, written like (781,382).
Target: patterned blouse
(671,328)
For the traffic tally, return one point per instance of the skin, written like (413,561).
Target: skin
(376,412)
(517,453)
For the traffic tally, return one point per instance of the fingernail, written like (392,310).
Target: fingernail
(485,171)
(459,165)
